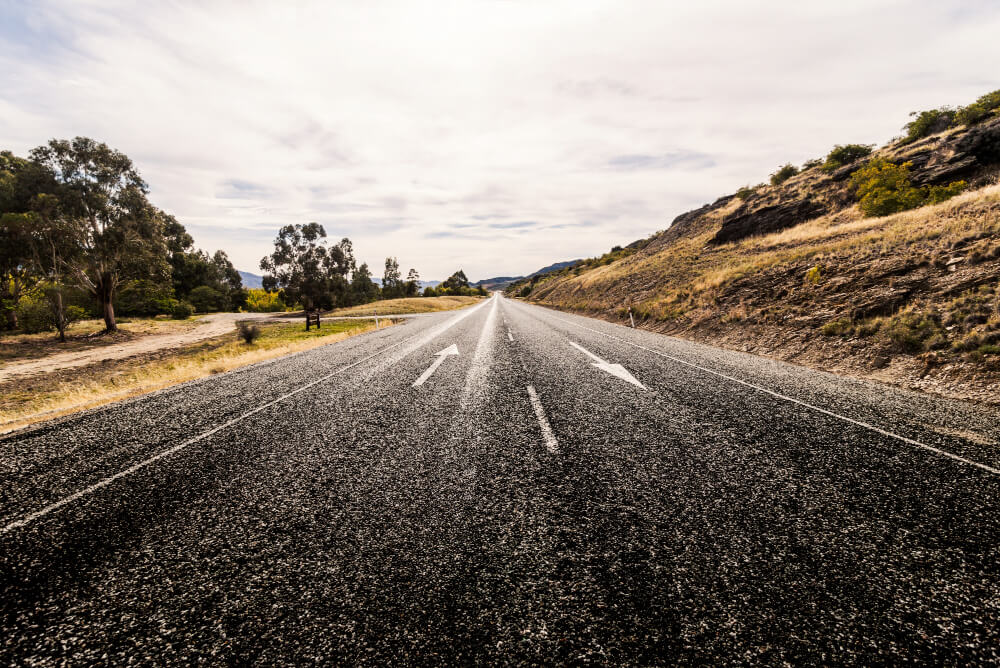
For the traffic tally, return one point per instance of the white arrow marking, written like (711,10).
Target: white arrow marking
(450,350)
(616,370)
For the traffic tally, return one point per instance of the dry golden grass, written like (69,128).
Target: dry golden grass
(407,305)
(688,273)
(79,389)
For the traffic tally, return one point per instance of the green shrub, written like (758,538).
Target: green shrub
(845,154)
(841,327)
(144,297)
(883,187)
(182,311)
(259,300)
(785,172)
(205,298)
(979,110)
(909,331)
(745,192)
(937,194)
(814,275)
(810,164)
(525,291)
(989,349)
(927,123)
(34,315)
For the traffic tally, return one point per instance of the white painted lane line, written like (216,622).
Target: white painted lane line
(550,438)
(510,337)
(859,423)
(482,358)
(447,352)
(616,370)
(52,507)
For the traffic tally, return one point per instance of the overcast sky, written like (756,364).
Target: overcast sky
(495,136)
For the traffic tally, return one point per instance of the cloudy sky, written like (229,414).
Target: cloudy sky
(497,136)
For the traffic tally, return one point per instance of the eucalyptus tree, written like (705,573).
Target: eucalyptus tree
(108,231)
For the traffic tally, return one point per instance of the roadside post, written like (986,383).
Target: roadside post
(631,319)
(376,317)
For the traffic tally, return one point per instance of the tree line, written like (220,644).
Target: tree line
(306,270)
(79,237)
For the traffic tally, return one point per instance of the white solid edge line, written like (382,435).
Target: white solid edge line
(550,438)
(859,423)
(52,507)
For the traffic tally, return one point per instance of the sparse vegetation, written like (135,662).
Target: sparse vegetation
(784,173)
(845,154)
(927,123)
(248,331)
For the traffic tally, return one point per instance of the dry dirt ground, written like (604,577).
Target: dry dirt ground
(210,326)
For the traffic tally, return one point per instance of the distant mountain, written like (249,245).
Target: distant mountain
(423,284)
(251,280)
(501,282)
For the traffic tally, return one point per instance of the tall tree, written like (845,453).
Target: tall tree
(20,181)
(305,269)
(363,288)
(114,234)
(412,283)
(455,283)
(391,279)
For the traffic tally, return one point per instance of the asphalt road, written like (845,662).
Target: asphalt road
(561,490)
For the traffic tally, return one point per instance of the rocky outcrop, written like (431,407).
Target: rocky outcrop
(747,221)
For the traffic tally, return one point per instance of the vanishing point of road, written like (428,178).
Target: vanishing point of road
(506,484)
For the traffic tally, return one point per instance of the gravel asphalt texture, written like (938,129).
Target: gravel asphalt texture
(320,509)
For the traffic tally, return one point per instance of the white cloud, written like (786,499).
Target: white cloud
(428,131)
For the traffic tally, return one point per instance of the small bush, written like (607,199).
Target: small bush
(784,173)
(34,315)
(182,311)
(248,331)
(927,123)
(883,188)
(845,154)
(259,300)
(989,349)
(909,331)
(979,110)
(814,275)
(841,327)
(525,291)
(811,164)
(745,192)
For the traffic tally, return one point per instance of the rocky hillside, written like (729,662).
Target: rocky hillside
(802,271)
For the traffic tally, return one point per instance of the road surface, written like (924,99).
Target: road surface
(506,484)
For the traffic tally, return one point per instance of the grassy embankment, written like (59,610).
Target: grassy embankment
(845,292)
(406,305)
(44,396)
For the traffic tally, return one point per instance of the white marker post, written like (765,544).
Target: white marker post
(630,317)
(376,317)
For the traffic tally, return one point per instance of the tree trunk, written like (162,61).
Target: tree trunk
(108,309)
(105,293)
(59,315)
(12,319)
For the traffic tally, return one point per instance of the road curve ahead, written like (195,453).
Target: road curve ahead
(506,484)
